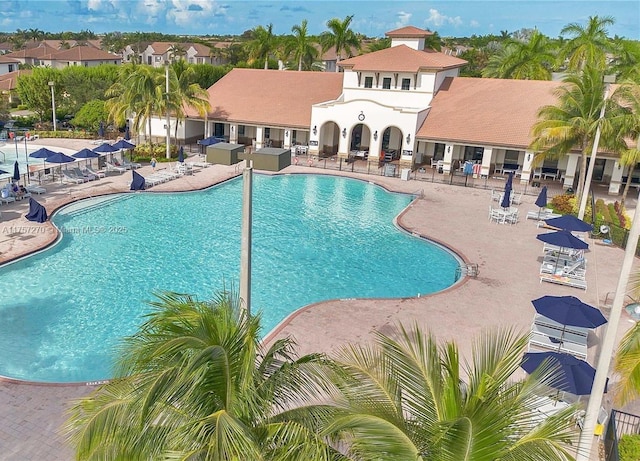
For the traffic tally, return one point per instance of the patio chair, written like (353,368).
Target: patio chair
(540,341)
(90,170)
(564,280)
(68,178)
(32,188)
(112,167)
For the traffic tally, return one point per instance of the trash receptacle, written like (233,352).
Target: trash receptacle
(405,174)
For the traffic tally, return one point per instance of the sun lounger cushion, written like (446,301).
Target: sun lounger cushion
(564,280)
(541,341)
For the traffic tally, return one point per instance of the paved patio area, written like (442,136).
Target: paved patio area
(508,257)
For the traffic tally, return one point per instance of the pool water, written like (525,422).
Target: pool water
(314,238)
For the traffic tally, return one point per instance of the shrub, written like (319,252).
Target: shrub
(564,204)
(629,447)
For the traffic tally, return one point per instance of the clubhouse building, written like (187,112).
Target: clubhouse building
(404,104)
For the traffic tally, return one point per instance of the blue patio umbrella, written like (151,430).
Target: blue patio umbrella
(210,141)
(569,223)
(123,144)
(16,171)
(43,152)
(569,310)
(37,213)
(60,158)
(105,148)
(138,182)
(127,133)
(570,374)
(86,153)
(101,130)
(506,198)
(181,155)
(563,239)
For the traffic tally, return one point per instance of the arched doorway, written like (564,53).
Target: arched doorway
(328,139)
(360,138)
(391,144)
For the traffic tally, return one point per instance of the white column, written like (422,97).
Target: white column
(487,155)
(259,137)
(448,158)
(572,168)
(286,144)
(233,133)
(526,167)
(616,179)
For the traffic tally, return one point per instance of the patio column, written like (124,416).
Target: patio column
(287,139)
(487,156)
(259,137)
(526,167)
(233,133)
(616,179)
(572,168)
(448,158)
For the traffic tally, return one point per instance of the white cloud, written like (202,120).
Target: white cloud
(437,19)
(403,18)
(185,12)
(151,10)
(474,23)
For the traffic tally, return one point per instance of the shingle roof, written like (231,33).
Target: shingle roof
(36,52)
(9,81)
(270,97)
(5,59)
(402,58)
(487,111)
(201,50)
(83,53)
(409,31)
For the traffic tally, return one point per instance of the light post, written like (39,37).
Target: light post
(52,84)
(166,80)
(608,79)
(245,242)
(606,350)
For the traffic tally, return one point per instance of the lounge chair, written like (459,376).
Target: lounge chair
(580,334)
(112,167)
(90,170)
(68,178)
(576,270)
(121,165)
(80,174)
(200,164)
(34,189)
(564,280)
(542,341)
(131,165)
(542,215)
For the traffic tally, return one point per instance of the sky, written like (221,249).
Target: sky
(449,18)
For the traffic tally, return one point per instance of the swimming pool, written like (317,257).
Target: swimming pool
(314,238)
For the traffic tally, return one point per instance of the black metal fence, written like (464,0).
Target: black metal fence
(620,423)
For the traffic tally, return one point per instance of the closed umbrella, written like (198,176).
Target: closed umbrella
(541,201)
(181,155)
(16,171)
(127,133)
(569,223)
(101,130)
(37,212)
(570,374)
(506,199)
(138,182)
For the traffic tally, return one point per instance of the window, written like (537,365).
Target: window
(511,156)
(267,133)
(438,151)
(368,82)
(406,83)
(386,83)
(10,67)
(473,153)
(240,130)
(218,130)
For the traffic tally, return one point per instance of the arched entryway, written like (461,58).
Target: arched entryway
(391,144)
(328,139)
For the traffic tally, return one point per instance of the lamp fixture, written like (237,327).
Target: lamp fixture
(315,129)
(286,133)
(375,135)
(344,132)
(233,128)
(408,138)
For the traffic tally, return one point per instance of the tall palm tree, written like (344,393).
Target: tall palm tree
(627,362)
(194,383)
(626,60)
(187,93)
(262,44)
(589,44)
(302,46)
(572,123)
(340,37)
(406,398)
(523,60)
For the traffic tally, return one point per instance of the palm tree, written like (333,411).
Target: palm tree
(523,60)
(627,362)
(186,93)
(589,45)
(379,44)
(176,52)
(340,37)
(262,44)
(433,42)
(140,90)
(626,61)
(195,383)
(302,46)
(626,125)
(572,123)
(406,398)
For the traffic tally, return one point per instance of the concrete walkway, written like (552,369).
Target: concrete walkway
(508,257)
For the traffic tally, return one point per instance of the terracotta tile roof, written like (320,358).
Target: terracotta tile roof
(161,47)
(36,52)
(270,97)
(487,111)
(409,31)
(83,53)
(9,81)
(201,50)
(5,59)
(401,58)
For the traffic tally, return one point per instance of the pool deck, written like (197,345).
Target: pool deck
(508,257)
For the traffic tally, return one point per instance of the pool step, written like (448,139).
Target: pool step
(83,206)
